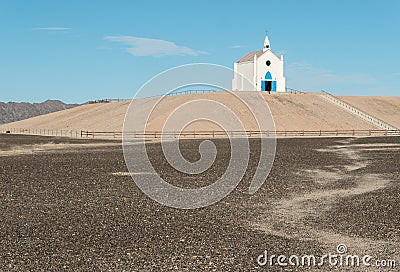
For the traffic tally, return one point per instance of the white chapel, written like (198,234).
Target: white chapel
(259,71)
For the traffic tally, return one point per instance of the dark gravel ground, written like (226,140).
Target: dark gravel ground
(65,211)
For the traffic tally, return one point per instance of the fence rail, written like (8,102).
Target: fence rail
(108,100)
(197,91)
(190,91)
(290,90)
(238,134)
(200,134)
(43,132)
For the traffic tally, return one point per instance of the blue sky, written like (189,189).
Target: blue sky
(77,51)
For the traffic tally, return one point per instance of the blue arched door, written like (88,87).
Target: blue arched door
(267,84)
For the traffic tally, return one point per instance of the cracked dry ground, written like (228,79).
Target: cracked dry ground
(65,209)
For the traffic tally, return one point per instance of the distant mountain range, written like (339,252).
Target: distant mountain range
(12,111)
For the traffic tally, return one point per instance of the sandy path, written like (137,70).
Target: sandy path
(50,147)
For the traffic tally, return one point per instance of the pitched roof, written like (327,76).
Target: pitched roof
(250,56)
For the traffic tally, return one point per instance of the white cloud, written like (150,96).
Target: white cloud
(303,75)
(52,28)
(104,48)
(152,47)
(237,46)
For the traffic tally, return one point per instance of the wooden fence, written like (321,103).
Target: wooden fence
(238,134)
(108,100)
(176,92)
(201,134)
(43,132)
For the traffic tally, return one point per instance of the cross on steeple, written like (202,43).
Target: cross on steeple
(266,42)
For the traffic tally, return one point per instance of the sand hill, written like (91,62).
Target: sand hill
(290,111)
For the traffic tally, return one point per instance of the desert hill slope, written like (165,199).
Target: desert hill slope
(290,111)
(386,108)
